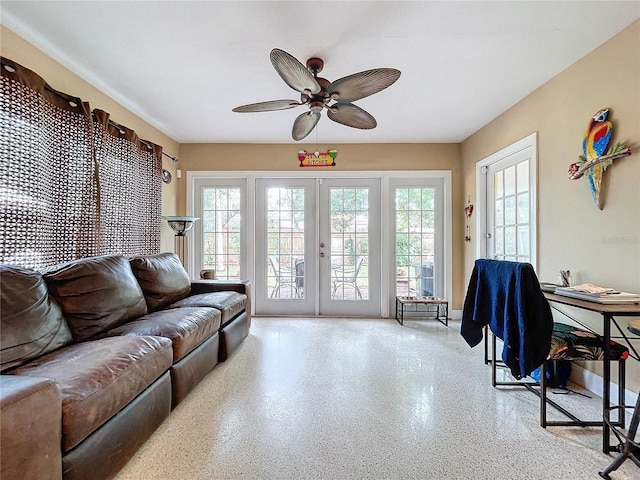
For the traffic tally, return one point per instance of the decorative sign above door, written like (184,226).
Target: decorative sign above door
(317,159)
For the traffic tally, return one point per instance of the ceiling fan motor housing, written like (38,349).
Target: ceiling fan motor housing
(318,101)
(315,65)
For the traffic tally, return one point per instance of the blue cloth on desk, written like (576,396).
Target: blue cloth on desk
(507,297)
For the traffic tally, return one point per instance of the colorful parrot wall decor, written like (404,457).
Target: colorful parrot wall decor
(596,153)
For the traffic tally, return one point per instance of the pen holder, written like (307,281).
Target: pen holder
(564,278)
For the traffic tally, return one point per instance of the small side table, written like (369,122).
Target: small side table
(441,307)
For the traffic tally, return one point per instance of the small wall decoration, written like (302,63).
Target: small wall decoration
(166,176)
(317,159)
(596,153)
(468,211)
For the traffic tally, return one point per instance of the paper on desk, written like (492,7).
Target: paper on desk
(590,288)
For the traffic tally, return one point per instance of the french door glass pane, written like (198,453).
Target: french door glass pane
(221,231)
(349,214)
(523,208)
(510,210)
(523,242)
(415,240)
(499,241)
(499,211)
(522,175)
(511,213)
(285,243)
(510,180)
(498,191)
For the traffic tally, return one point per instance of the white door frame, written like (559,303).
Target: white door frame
(386,243)
(528,142)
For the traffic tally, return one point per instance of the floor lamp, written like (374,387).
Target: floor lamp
(181,225)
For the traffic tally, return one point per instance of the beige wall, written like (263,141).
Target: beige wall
(600,247)
(351,157)
(60,78)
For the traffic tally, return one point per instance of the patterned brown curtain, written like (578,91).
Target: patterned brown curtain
(47,188)
(72,183)
(130,185)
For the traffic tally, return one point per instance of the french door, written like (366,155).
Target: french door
(318,248)
(509,203)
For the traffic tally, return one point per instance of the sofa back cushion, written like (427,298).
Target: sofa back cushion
(163,279)
(96,293)
(31,321)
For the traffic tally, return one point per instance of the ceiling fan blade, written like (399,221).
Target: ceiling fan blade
(352,116)
(360,85)
(267,106)
(304,124)
(293,72)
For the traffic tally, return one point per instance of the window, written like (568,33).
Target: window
(221,215)
(415,240)
(219,236)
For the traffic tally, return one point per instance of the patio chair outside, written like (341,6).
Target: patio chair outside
(347,275)
(283,276)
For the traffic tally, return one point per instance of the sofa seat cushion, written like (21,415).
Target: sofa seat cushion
(99,378)
(31,322)
(187,328)
(162,278)
(229,303)
(96,293)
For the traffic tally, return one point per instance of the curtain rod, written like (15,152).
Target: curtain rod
(175,159)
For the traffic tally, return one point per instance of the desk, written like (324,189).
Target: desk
(441,307)
(608,312)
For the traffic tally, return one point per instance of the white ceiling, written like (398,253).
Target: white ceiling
(183,65)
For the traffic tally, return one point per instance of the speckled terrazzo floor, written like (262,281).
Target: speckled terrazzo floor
(364,399)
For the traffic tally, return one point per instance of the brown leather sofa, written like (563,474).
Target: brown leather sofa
(95,354)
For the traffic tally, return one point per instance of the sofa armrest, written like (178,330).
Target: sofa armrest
(208,286)
(30,428)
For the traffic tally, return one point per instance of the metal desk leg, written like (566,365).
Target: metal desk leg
(486,345)
(494,380)
(606,380)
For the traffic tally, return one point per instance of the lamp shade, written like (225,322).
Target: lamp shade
(181,224)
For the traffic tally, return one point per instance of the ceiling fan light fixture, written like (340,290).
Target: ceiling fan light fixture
(316,107)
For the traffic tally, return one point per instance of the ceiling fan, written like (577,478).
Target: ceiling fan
(318,93)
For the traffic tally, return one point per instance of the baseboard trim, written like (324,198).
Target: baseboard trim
(593,382)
